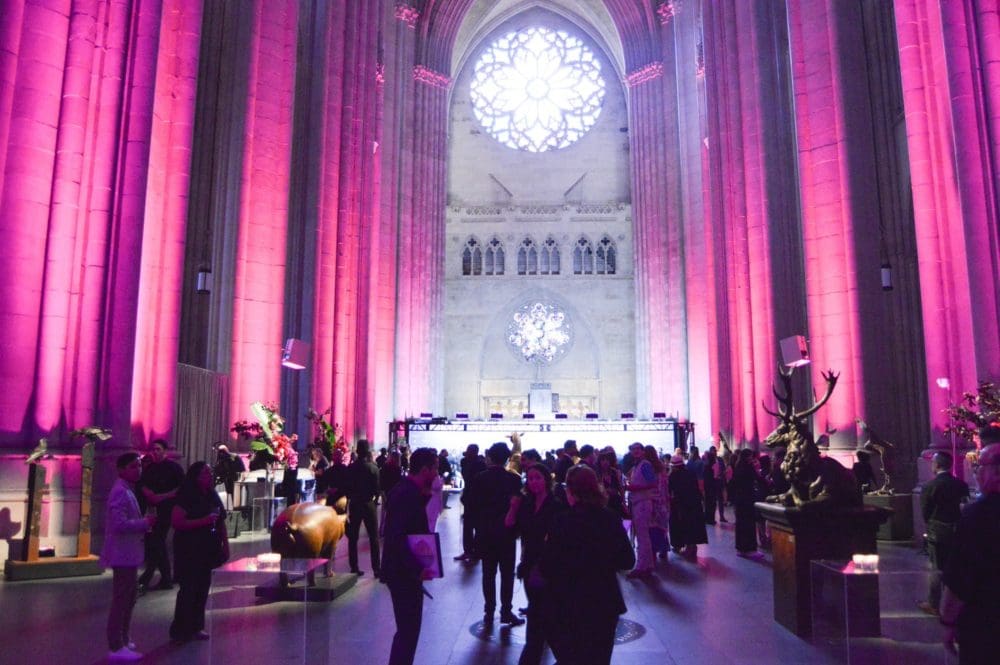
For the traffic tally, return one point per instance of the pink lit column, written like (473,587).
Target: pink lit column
(259,287)
(78,126)
(420,252)
(950,65)
(34,52)
(661,335)
(836,177)
(348,240)
(753,210)
(158,319)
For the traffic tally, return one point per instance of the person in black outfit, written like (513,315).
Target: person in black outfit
(744,492)
(970,598)
(863,472)
(198,519)
(490,497)
(405,514)
(362,496)
(940,503)
(532,517)
(687,516)
(471,465)
(709,482)
(336,478)
(585,548)
(566,458)
(158,485)
(227,469)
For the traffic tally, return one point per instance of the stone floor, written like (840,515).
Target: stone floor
(716,610)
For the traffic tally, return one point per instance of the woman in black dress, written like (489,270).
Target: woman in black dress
(687,515)
(532,516)
(744,491)
(587,546)
(200,544)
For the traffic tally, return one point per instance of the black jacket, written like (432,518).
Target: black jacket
(586,548)
(488,502)
(941,498)
(405,514)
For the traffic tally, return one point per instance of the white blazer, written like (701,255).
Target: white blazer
(124,528)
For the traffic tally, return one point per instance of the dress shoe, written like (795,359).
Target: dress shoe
(357,572)
(511,619)
(488,619)
(201,635)
(462,557)
(723,519)
(163,586)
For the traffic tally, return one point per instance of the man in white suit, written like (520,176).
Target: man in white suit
(124,530)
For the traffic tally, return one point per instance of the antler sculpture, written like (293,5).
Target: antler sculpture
(813,478)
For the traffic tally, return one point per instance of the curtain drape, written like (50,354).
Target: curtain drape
(200,417)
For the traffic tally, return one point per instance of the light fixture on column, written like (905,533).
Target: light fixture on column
(203,282)
(794,351)
(295,355)
(886,276)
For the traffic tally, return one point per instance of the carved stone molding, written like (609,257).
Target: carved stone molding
(430,77)
(651,71)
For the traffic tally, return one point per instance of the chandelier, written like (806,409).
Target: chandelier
(539,333)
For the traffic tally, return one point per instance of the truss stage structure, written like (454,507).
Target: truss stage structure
(455,434)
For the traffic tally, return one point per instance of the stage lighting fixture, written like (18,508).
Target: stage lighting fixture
(295,355)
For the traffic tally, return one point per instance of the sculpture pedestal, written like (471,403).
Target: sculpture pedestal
(899,526)
(799,537)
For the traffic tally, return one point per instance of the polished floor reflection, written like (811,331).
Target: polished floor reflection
(714,610)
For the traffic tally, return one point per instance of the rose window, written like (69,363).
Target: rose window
(539,333)
(537,89)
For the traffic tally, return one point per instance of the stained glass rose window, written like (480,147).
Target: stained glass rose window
(539,332)
(537,89)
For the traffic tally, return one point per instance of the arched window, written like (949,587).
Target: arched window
(527,258)
(583,257)
(606,257)
(549,258)
(493,258)
(472,258)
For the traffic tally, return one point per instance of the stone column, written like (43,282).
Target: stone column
(951,81)
(259,288)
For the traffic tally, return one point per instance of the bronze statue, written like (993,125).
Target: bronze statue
(40,452)
(815,480)
(309,531)
(877,444)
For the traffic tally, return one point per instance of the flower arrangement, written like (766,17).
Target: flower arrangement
(328,436)
(973,411)
(272,440)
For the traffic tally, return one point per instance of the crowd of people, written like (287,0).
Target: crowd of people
(579,513)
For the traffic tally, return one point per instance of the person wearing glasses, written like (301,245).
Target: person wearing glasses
(970,599)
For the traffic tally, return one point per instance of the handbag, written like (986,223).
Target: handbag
(219,547)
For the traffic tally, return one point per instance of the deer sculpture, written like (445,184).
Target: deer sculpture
(815,480)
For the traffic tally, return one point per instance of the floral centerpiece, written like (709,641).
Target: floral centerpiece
(328,436)
(273,442)
(965,418)
(974,411)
